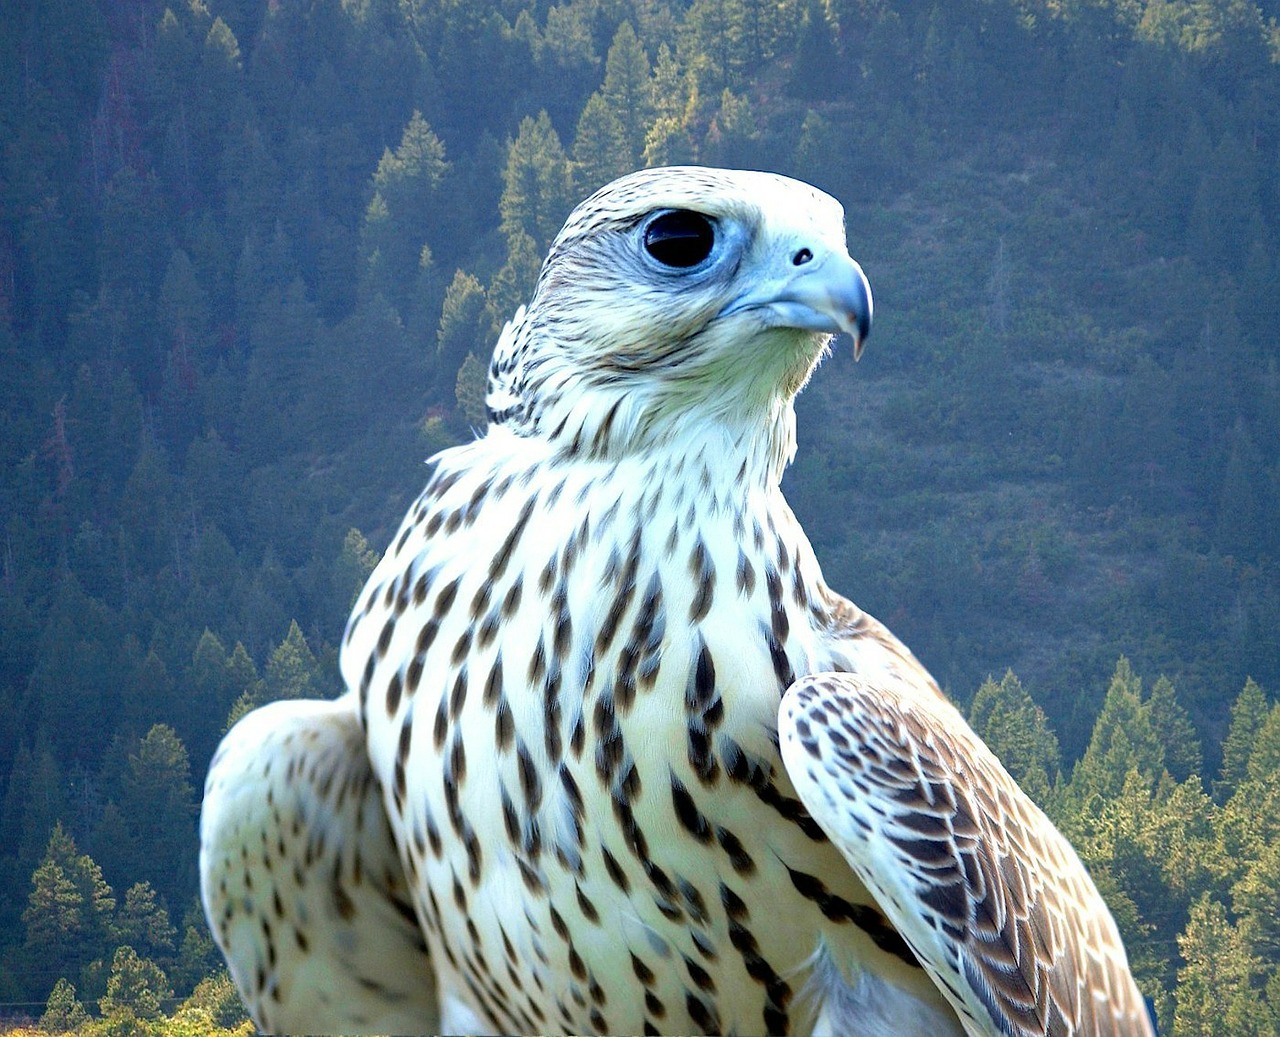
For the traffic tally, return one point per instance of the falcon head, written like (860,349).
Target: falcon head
(679,297)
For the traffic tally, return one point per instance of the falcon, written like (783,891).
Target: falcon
(612,756)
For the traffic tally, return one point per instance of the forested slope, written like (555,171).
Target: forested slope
(253,256)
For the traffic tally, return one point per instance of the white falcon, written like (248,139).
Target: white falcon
(613,758)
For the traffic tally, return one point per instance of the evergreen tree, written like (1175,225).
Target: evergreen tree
(538,183)
(216,996)
(714,43)
(1241,520)
(600,149)
(627,93)
(198,958)
(273,418)
(143,923)
(461,323)
(1255,899)
(63,1012)
(158,802)
(511,288)
(816,63)
(470,392)
(353,567)
(406,193)
(1215,984)
(136,989)
(1123,739)
(1248,713)
(1174,731)
(69,920)
(1017,731)
(1264,760)
(292,671)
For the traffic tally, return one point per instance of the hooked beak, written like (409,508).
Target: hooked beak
(824,291)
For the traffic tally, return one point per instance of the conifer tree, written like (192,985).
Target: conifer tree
(143,923)
(600,149)
(1215,993)
(1264,760)
(69,920)
(1255,899)
(136,989)
(1174,731)
(159,803)
(537,183)
(1123,739)
(292,671)
(1018,732)
(462,323)
(627,93)
(469,391)
(63,1011)
(1248,713)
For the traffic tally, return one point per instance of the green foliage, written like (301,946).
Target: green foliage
(136,989)
(538,183)
(1215,987)
(470,391)
(63,1012)
(1124,740)
(292,670)
(1016,729)
(461,320)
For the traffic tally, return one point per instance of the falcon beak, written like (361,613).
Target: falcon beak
(822,290)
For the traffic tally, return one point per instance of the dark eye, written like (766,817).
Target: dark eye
(680,238)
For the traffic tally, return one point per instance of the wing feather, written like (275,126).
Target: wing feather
(990,896)
(301,881)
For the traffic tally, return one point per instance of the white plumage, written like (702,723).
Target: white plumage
(568,740)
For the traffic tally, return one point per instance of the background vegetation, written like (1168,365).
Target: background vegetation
(254,253)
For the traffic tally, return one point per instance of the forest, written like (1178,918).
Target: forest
(254,255)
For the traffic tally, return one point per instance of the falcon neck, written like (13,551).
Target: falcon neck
(751,444)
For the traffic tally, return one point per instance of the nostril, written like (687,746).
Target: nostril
(802,257)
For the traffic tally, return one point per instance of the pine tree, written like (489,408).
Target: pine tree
(537,183)
(292,671)
(1264,760)
(63,1012)
(511,287)
(406,193)
(1016,730)
(1174,731)
(816,63)
(1255,899)
(1123,739)
(600,150)
(159,803)
(143,923)
(469,392)
(1214,994)
(69,920)
(627,93)
(1248,713)
(137,988)
(353,566)
(462,323)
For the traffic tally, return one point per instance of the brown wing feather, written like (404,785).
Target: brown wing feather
(989,894)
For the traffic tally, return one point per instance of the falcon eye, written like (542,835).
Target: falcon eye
(680,238)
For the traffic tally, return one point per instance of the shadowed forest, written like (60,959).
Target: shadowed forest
(253,258)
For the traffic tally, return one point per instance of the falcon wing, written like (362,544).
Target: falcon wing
(989,895)
(301,881)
